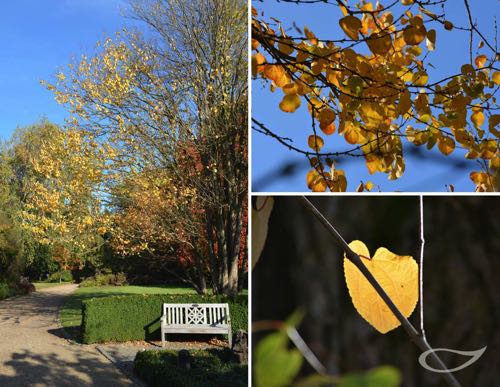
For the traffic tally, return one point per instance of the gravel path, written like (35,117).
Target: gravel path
(34,352)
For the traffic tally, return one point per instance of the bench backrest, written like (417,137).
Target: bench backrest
(196,314)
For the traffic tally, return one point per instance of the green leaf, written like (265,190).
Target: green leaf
(317,380)
(385,376)
(295,318)
(275,365)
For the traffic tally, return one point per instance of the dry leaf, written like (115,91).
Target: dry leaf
(260,218)
(398,276)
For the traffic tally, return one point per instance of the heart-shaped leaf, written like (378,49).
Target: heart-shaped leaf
(397,275)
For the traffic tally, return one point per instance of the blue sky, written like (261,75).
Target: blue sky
(422,174)
(38,39)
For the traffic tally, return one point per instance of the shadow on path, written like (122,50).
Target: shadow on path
(53,370)
(34,351)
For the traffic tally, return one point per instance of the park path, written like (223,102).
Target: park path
(34,352)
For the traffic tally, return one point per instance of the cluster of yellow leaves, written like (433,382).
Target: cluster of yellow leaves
(62,208)
(370,97)
(151,219)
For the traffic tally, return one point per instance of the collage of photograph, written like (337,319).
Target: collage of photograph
(267,193)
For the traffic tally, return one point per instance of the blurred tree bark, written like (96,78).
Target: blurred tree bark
(301,267)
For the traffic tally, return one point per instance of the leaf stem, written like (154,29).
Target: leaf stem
(417,338)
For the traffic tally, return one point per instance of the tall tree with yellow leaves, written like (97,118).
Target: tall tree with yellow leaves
(181,92)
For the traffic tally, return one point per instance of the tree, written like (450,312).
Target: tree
(58,172)
(11,258)
(155,217)
(182,90)
(372,87)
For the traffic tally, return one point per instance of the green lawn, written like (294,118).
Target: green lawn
(71,312)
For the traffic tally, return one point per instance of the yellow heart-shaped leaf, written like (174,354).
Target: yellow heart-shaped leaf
(397,275)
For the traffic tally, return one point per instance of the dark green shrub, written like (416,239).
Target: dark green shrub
(209,368)
(137,317)
(61,276)
(5,291)
(118,279)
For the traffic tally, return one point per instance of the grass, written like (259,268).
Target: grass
(71,312)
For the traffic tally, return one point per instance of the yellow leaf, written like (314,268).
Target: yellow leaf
(477,119)
(379,43)
(479,177)
(257,61)
(430,40)
(315,142)
(407,2)
(351,26)
(414,35)
(291,88)
(488,149)
(397,275)
(315,182)
(493,123)
(480,61)
(327,129)
(285,45)
(496,77)
(494,163)
(260,219)
(326,116)
(310,36)
(277,74)
(446,145)
(290,103)
(420,78)
(404,102)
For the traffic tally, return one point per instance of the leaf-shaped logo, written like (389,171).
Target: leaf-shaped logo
(474,356)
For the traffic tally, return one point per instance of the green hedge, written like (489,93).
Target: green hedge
(137,317)
(209,368)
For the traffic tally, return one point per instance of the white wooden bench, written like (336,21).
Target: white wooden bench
(196,318)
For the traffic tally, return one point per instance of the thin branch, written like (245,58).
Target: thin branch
(356,260)
(296,339)
(421,269)
(308,354)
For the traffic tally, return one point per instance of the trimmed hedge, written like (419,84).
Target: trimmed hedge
(137,317)
(209,368)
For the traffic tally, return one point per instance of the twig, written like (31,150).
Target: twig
(421,269)
(296,339)
(311,358)
(356,260)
